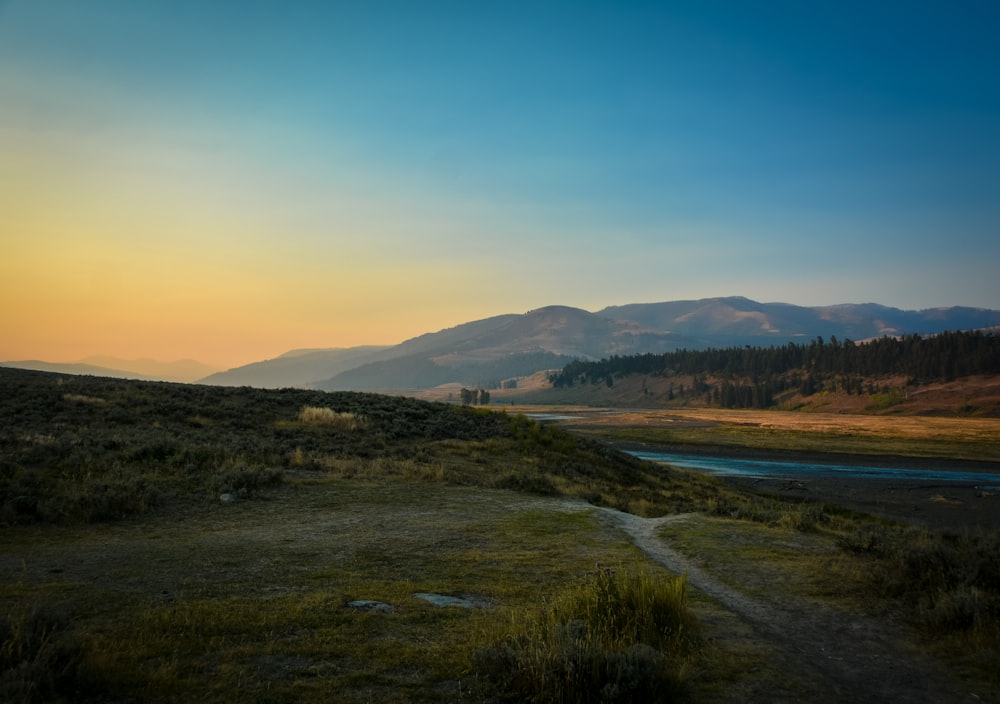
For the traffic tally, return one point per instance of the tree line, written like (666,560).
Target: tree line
(750,377)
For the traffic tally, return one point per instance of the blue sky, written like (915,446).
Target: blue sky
(217,179)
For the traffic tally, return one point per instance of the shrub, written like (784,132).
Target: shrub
(885,399)
(81,398)
(39,657)
(950,583)
(527,482)
(866,540)
(623,636)
(246,480)
(34,496)
(804,519)
(95,499)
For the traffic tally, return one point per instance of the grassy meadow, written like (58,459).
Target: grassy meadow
(166,542)
(975,439)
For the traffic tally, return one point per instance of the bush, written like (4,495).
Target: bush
(950,583)
(804,519)
(624,636)
(246,480)
(885,399)
(30,497)
(527,482)
(39,657)
(866,540)
(99,499)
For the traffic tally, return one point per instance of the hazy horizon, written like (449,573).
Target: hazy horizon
(156,366)
(228,181)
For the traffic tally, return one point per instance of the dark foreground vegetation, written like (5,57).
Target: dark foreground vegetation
(755,377)
(80,452)
(82,449)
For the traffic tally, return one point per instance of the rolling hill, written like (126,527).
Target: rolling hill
(297,368)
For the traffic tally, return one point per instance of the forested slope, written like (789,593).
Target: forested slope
(754,377)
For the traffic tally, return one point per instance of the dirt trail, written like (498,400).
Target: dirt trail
(836,657)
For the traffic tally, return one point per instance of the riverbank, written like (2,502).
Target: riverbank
(934,464)
(934,438)
(943,502)
(945,506)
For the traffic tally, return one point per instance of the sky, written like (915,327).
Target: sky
(229,180)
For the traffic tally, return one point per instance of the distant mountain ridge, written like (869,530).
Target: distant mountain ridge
(74,368)
(296,368)
(183,370)
(484,352)
(178,370)
(740,318)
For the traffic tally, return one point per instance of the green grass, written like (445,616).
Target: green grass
(804,565)
(248,601)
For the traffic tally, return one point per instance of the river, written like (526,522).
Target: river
(741,467)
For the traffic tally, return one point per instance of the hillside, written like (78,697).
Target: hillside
(977,396)
(202,438)
(950,373)
(297,368)
(484,353)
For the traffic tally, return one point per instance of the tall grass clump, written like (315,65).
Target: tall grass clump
(52,496)
(39,657)
(623,636)
(342,420)
(953,580)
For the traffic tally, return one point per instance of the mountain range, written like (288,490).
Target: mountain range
(183,370)
(485,353)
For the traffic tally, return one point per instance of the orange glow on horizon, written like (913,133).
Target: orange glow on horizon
(64,301)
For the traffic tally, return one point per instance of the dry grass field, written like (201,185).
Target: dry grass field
(975,439)
(972,396)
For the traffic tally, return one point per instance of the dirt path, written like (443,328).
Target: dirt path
(830,655)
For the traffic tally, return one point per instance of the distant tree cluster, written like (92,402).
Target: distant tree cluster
(752,376)
(475,397)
